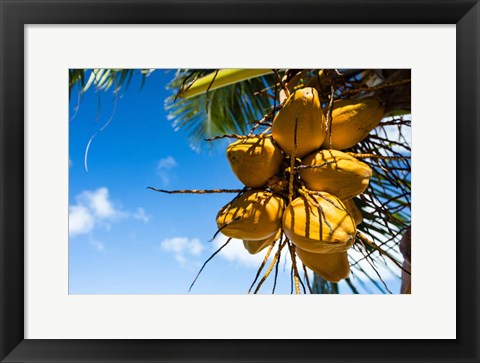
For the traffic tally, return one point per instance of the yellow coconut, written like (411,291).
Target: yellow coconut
(254,215)
(303,109)
(254,160)
(332,267)
(319,224)
(352,121)
(254,247)
(353,210)
(335,172)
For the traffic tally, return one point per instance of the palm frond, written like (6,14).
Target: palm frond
(224,110)
(221,78)
(103,79)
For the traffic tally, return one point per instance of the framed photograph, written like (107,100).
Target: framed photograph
(238,234)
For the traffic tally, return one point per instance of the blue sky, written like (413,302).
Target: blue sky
(125,239)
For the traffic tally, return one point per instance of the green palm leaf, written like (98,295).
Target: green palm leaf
(102,79)
(230,109)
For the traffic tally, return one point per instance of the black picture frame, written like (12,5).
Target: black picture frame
(15,14)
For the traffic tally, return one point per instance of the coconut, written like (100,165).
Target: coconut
(335,172)
(254,215)
(352,121)
(332,267)
(254,247)
(303,109)
(254,160)
(319,223)
(353,210)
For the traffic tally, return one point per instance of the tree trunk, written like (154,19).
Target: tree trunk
(320,286)
(405,243)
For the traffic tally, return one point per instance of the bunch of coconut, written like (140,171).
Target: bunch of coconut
(300,184)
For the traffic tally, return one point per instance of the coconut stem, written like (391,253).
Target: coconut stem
(307,280)
(374,269)
(265,259)
(270,268)
(315,166)
(375,156)
(376,88)
(292,162)
(364,239)
(195,191)
(205,263)
(329,118)
(296,278)
(235,136)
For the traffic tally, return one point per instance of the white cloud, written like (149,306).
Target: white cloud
(70,163)
(196,247)
(236,252)
(164,167)
(98,202)
(167,163)
(94,209)
(141,215)
(80,220)
(183,248)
